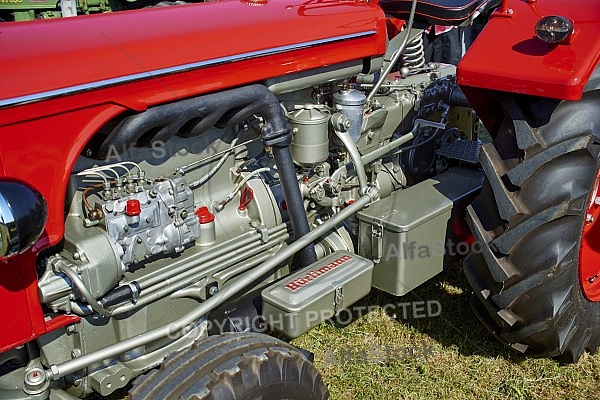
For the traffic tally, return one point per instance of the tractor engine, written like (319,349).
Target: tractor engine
(175,221)
(172,206)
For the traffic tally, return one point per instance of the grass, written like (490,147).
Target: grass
(462,361)
(467,362)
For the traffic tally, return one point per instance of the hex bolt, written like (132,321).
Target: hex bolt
(75,353)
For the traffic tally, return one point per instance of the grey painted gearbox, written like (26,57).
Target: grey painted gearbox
(316,293)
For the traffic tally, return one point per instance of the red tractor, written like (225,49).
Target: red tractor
(180,179)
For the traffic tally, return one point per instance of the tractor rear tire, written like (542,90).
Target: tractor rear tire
(234,367)
(541,170)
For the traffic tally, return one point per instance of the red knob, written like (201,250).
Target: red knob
(245,198)
(204,216)
(133,208)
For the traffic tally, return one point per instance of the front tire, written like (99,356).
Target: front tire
(245,366)
(540,170)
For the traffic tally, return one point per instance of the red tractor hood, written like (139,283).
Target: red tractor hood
(42,59)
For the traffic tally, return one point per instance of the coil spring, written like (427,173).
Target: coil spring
(414,54)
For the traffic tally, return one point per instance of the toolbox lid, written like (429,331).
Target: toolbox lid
(406,209)
(298,291)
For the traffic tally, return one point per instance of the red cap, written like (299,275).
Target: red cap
(133,208)
(204,216)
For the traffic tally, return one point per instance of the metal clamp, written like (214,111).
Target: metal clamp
(376,241)
(338,296)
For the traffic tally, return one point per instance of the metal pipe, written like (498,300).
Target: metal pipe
(81,288)
(268,267)
(183,169)
(359,167)
(219,206)
(165,287)
(147,281)
(376,154)
(228,259)
(397,54)
(386,148)
(172,287)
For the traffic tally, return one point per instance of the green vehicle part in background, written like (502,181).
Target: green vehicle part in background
(27,10)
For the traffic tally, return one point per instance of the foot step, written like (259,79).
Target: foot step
(463,150)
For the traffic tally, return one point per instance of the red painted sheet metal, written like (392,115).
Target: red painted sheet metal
(20,312)
(508,57)
(41,56)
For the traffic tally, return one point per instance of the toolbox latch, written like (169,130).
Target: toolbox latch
(376,241)
(338,296)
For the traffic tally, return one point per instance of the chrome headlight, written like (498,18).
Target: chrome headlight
(23,215)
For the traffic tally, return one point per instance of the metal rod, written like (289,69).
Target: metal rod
(183,281)
(223,249)
(227,259)
(386,148)
(68,367)
(359,166)
(183,169)
(397,54)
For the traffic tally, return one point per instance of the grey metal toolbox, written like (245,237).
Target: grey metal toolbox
(404,234)
(316,293)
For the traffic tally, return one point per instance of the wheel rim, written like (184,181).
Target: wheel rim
(589,253)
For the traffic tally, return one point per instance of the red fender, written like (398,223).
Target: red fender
(507,56)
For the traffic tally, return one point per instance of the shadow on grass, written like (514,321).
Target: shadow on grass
(449,319)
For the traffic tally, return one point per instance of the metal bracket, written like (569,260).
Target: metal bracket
(376,241)
(338,296)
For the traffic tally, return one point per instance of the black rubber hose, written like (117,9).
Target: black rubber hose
(293,200)
(458,98)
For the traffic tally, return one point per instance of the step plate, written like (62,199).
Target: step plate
(463,150)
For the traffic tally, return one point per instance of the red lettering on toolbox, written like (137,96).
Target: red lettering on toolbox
(314,275)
